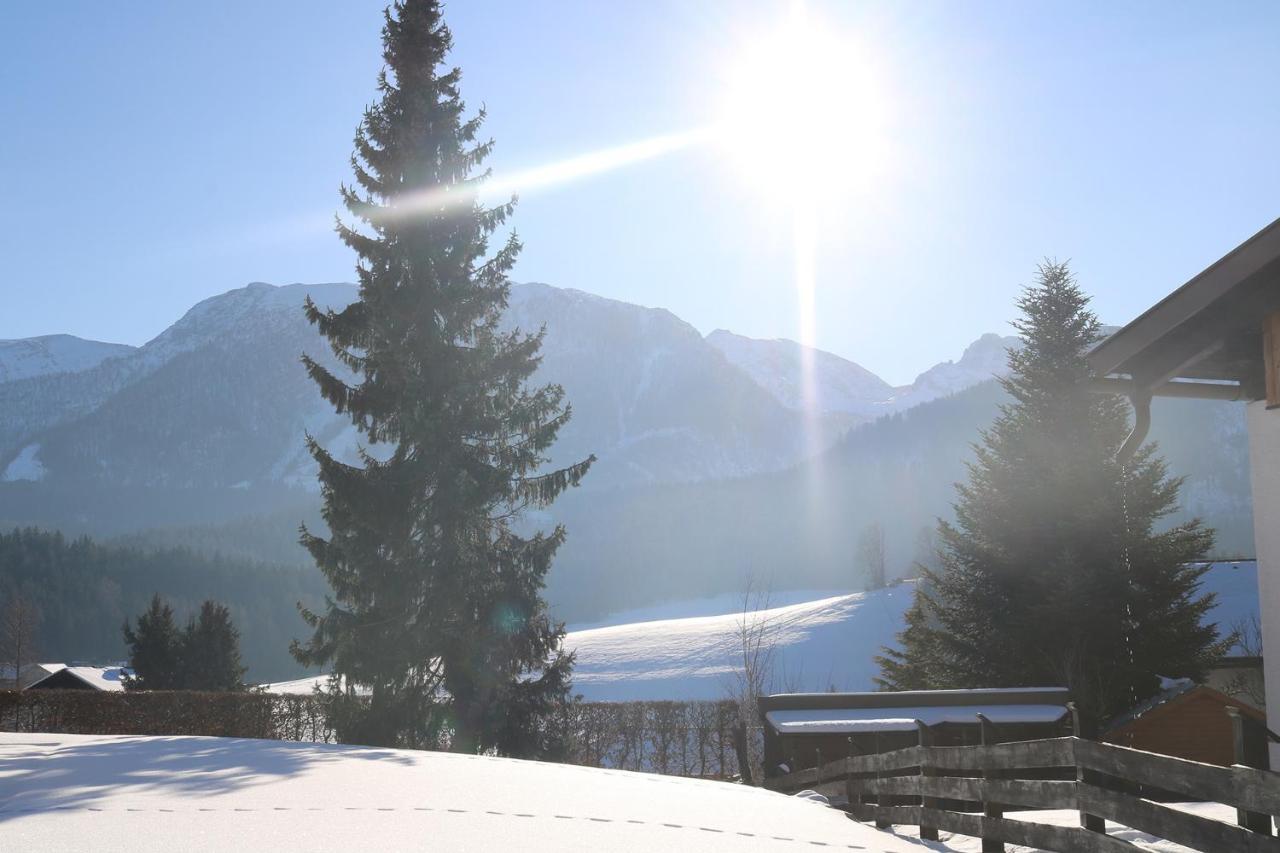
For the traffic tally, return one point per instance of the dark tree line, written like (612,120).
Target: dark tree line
(83,591)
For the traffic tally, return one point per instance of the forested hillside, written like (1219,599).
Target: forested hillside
(85,591)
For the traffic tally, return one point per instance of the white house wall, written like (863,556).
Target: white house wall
(1264,467)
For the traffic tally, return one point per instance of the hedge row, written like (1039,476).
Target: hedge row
(678,738)
(177,712)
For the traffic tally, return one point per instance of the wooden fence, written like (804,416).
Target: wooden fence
(967,789)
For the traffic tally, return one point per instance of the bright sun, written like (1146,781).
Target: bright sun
(803,115)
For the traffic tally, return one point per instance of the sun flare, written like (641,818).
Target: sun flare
(803,113)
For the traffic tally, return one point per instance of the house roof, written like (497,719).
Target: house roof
(110,678)
(1209,329)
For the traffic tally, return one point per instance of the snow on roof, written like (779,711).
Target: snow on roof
(182,793)
(98,677)
(853,720)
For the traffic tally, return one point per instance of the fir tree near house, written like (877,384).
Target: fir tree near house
(155,647)
(436,610)
(1058,569)
(204,656)
(210,651)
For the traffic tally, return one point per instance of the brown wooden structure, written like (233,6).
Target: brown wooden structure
(804,730)
(1187,721)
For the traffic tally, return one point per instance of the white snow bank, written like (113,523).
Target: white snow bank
(69,792)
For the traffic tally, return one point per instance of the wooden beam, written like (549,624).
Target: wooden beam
(1271,357)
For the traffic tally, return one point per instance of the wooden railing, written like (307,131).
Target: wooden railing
(967,789)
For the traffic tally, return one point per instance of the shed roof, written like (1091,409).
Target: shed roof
(1208,329)
(906,718)
(110,678)
(884,711)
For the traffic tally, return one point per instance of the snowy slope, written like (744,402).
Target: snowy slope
(28,357)
(818,645)
(78,792)
(831,642)
(690,649)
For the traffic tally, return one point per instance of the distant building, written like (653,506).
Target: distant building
(1186,720)
(76,677)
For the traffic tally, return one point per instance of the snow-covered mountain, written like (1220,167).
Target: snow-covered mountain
(28,357)
(220,400)
(986,357)
(841,387)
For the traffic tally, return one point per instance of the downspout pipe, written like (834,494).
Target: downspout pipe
(1140,400)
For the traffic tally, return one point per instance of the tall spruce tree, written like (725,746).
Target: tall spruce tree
(211,651)
(1053,572)
(436,608)
(155,649)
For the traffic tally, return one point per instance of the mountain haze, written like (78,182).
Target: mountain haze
(709,469)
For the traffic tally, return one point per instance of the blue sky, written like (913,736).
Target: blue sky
(153,154)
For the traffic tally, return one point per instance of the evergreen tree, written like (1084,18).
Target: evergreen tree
(1053,572)
(210,651)
(155,649)
(436,605)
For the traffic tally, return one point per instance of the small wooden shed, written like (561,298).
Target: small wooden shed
(807,729)
(1190,721)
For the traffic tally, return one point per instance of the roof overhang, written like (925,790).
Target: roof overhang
(1206,338)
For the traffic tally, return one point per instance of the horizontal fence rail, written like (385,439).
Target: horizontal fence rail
(966,789)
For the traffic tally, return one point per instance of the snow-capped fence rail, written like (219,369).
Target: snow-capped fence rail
(966,790)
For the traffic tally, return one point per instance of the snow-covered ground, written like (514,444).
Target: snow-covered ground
(690,649)
(818,645)
(82,792)
(105,793)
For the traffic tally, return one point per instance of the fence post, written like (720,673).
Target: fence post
(991,843)
(1246,753)
(1083,728)
(879,799)
(927,832)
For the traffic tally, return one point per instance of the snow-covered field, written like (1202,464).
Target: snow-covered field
(690,649)
(107,793)
(830,642)
(818,645)
(69,792)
